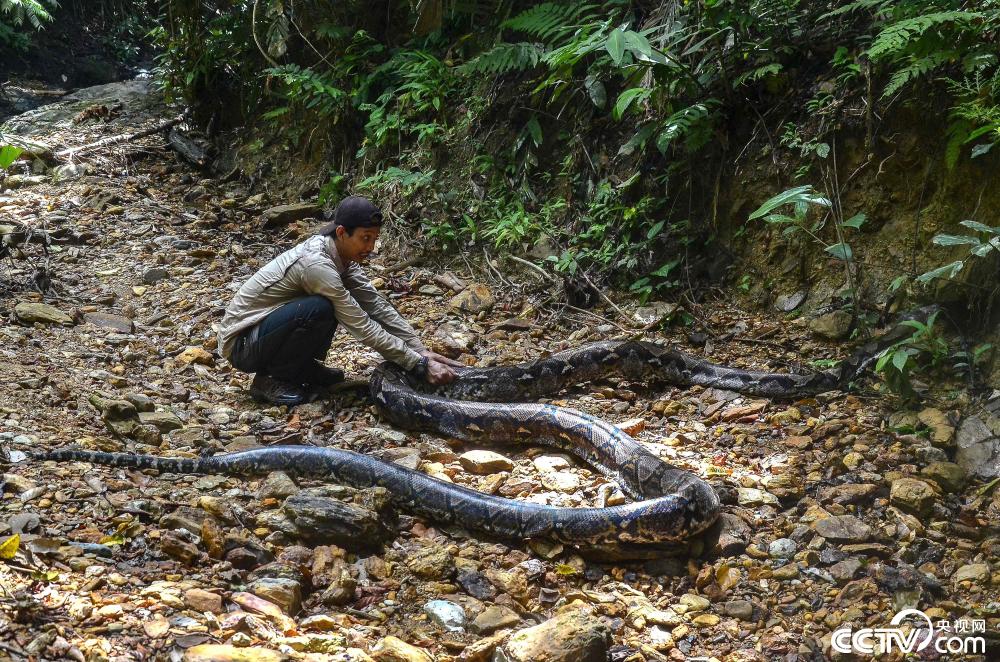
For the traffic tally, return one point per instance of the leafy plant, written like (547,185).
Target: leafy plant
(978,247)
(9,154)
(924,349)
(34,12)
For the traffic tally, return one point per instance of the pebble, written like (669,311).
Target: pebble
(572,636)
(843,528)
(394,649)
(154,275)
(782,548)
(912,494)
(447,614)
(493,618)
(201,600)
(483,462)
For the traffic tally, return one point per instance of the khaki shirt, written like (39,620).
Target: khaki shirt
(315,267)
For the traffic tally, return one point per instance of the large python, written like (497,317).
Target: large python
(488,404)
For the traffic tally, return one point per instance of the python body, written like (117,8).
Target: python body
(671,505)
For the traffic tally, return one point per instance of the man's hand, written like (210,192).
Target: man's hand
(438,373)
(434,356)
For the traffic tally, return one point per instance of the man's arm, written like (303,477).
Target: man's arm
(380,309)
(323,279)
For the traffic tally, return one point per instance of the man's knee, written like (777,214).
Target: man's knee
(318,309)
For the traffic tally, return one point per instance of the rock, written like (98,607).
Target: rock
(109,321)
(846,570)
(782,548)
(164,421)
(912,494)
(705,620)
(977,573)
(452,340)
(941,428)
(24,523)
(514,324)
(749,497)
(15,484)
(843,529)
(154,275)
(227,653)
(195,355)
(474,299)
(277,485)
(695,603)
(431,562)
(786,303)
(849,493)
(832,326)
(483,649)
(785,572)
(393,649)
(447,614)
(257,605)
(286,593)
(403,456)
(285,214)
(113,410)
(69,171)
(741,609)
(173,545)
(572,636)
(484,462)
(493,618)
(327,521)
(41,313)
(977,450)
(654,313)
(950,476)
(141,402)
(201,600)
(475,584)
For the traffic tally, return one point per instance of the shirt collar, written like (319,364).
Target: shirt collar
(331,250)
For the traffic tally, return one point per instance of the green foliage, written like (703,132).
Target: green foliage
(925,349)
(9,154)
(308,90)
(978,247)
(33,12)
(504,58)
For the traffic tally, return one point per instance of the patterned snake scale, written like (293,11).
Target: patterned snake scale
(487,404)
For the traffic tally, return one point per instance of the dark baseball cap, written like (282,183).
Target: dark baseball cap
(353,211)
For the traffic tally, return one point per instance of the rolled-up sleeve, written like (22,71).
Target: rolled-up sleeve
(323,279)
(379,309)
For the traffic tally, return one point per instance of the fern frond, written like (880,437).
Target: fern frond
(894,39)
(915,69)
(549,21)
(504,58)
(877,5)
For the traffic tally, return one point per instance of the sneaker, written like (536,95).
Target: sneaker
(266,388)
(323,376)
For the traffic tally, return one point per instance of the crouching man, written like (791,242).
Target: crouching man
(281,321)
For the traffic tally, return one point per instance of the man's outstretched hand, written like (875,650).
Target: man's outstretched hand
(438,373)
(439,368)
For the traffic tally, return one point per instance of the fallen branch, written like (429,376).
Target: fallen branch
(546,275)
(71,152)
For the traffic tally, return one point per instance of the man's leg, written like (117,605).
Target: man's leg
(282,347)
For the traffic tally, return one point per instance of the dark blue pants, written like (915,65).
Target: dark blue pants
(287,343)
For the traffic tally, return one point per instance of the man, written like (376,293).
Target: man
(281,321)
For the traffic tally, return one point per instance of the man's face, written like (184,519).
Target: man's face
(358,246)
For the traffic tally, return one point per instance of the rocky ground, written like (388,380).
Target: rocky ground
(840,509)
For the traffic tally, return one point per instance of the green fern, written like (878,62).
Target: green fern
(915,69)
(32,11)
(893,40)
(549,21)
(504,58)
(877,5)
